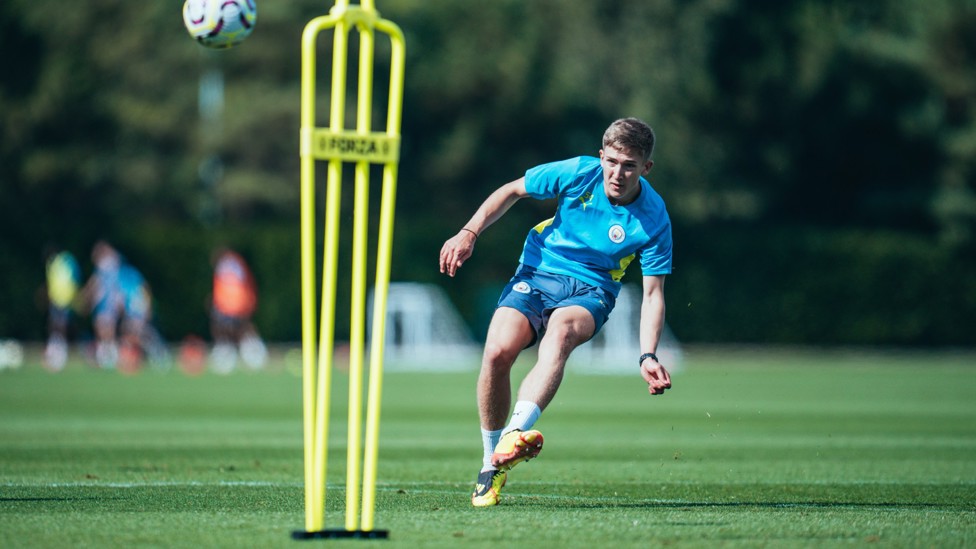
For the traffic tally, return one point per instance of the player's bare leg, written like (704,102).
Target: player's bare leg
(568,328)
(508,333)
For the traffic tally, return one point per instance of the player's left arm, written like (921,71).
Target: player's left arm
(651,326)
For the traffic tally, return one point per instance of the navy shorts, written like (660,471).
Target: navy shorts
(536,294)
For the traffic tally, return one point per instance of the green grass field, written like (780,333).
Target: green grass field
(760,448)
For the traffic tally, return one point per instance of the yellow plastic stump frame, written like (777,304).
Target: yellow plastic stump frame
(360,145)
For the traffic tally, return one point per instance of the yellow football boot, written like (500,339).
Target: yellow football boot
(488,490)
(516,447)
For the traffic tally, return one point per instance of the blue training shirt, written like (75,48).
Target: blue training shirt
(589,238)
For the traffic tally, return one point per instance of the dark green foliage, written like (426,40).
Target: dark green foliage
(851,124)
(819,287)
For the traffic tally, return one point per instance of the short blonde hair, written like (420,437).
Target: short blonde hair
(630,133)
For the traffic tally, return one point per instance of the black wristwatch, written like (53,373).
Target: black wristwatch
(645,356)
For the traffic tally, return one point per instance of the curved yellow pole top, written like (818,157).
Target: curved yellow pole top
(363,15)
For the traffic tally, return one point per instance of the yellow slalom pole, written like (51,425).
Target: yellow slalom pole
(358,313)
(382,286)
(329,273)
(314,496)
(364,147)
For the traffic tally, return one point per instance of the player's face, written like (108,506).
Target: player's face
(622,170)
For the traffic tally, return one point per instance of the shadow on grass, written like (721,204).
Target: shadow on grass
(62,499)
(556,502)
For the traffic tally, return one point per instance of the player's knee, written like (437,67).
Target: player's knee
(569,333)
(499,356)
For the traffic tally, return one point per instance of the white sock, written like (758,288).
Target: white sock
(524,416)
(489,439)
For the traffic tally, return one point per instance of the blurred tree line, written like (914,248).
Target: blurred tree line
(818,157)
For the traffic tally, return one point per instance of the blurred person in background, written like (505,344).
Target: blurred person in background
(232,307)
(63,281)
(121,306)
(138,335)
(103,300)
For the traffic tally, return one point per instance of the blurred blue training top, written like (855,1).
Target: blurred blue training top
(589,238)
(135,294)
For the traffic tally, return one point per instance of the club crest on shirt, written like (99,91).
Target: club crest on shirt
(522,287)
(616,234)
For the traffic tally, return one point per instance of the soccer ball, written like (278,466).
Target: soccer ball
(220,23)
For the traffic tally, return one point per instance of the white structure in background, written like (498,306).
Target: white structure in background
(617,347)
(424,331)
(11,354)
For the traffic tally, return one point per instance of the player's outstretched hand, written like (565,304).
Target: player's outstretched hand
(657,377)
(456,251)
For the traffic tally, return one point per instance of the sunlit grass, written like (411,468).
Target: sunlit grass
(751,448)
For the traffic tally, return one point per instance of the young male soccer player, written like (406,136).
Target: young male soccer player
(566,284)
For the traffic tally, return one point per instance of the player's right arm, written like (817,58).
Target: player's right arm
(459,248)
